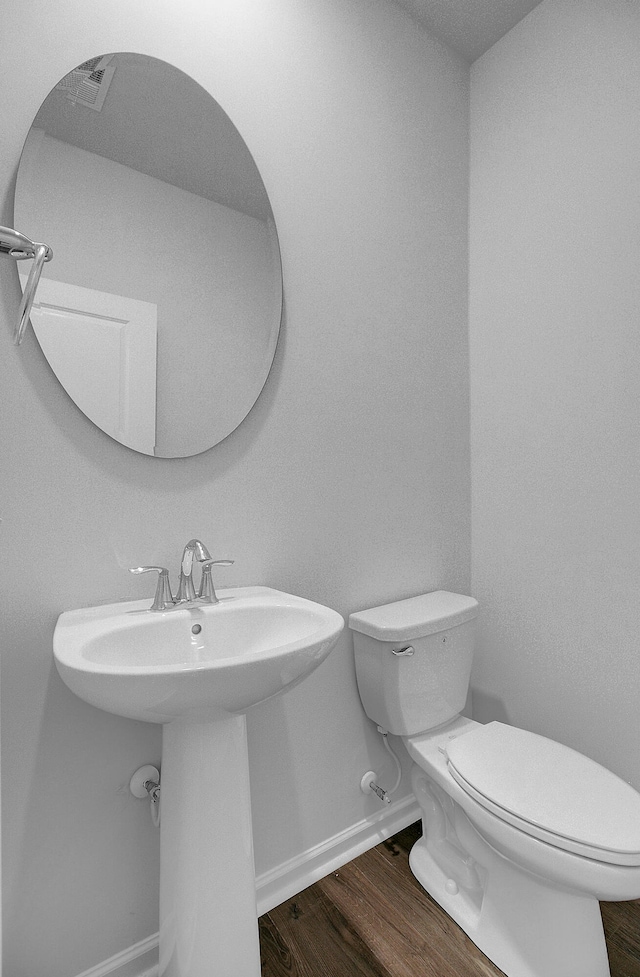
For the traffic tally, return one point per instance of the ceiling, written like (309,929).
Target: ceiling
(200,150)
(470,27)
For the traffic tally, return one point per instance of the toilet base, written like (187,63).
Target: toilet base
(527,925)
(524,926)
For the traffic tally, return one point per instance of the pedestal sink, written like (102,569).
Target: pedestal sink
(197,669)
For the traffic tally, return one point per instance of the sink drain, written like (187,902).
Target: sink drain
(196,629)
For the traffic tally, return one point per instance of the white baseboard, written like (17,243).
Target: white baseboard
(140,960)
(283,881)
(289,878)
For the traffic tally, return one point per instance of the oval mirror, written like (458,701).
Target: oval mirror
(160,310)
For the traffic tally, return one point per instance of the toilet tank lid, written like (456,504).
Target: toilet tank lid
(415,617)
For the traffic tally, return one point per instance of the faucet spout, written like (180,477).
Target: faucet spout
(194,549)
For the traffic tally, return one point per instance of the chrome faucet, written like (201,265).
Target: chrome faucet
(194,548)
(186,593)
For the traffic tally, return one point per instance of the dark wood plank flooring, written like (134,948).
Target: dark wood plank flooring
(372,918)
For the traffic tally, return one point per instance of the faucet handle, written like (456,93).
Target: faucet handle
(207,593)
(163,598)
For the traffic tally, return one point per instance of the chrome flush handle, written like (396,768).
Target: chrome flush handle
(405,652)
(163,599)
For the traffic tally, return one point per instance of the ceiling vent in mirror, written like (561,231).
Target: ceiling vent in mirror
(88,83)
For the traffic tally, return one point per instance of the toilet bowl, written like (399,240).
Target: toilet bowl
(522,836)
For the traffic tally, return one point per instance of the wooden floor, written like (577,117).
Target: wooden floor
(371,918)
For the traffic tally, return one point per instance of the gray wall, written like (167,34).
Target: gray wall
(348,482)
(555,376)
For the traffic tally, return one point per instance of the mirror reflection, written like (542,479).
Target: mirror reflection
(160,313)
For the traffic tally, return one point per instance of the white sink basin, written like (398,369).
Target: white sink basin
(197,662)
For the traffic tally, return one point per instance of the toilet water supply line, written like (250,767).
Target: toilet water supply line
(368,781)
(18,246)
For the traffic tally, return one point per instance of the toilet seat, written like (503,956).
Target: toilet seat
(548,791)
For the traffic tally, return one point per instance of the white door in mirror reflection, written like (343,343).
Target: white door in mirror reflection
(102,349)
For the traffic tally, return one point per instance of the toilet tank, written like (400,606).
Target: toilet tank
(404,691)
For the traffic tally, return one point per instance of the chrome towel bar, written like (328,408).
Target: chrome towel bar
(18,246)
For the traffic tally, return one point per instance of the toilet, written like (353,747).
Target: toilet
(522,836)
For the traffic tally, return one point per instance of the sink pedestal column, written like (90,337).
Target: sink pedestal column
(208,916)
